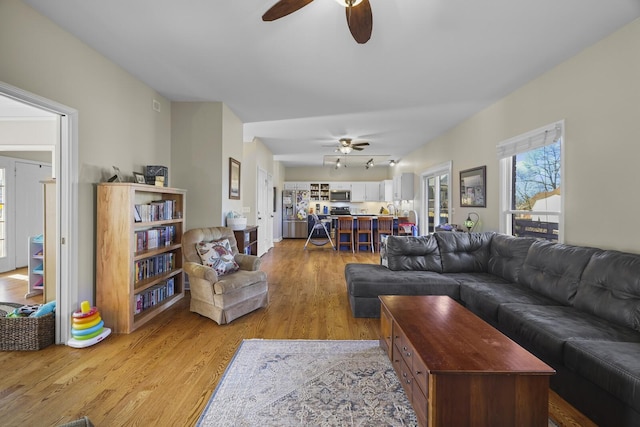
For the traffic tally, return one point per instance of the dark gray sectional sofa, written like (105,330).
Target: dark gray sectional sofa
(576,308)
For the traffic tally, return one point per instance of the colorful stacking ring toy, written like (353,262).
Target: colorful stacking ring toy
(87,327)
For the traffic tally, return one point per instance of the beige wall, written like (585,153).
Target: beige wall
(197,161)
(597,93)
(328,174)
(117,123)
(28,131)
(205,135)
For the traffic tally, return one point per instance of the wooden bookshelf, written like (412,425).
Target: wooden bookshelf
(135,283)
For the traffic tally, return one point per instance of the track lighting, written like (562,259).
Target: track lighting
(392,163)
(338,164)
(369,164)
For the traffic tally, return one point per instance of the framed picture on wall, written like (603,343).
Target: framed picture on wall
(234,179)
(473,190)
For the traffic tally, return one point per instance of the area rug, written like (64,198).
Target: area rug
(309,383)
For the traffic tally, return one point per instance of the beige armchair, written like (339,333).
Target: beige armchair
(223,298)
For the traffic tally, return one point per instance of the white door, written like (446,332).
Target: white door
(7,232)
(270,212)
(263,211)
(29,206)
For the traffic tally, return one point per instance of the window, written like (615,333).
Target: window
(531,178)
(436,197)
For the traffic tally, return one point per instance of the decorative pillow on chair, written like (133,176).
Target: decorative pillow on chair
(218,255)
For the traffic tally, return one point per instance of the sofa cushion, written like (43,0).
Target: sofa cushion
(614,366)
(610,288)
(371,280)
(483,297)
(546,328)
(411,253)
(218,255)
(464,252)
(507,255)
(555,269)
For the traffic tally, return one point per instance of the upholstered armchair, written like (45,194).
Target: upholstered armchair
(227,296)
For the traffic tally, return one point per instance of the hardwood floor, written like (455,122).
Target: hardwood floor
(165,373)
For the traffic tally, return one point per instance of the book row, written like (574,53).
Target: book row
(155,237)
(154,266)
(154,295)
(158,210)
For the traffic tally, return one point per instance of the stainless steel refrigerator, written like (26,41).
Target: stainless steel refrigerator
(295,209)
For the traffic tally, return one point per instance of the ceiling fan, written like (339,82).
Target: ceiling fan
(346,145)
(359,16)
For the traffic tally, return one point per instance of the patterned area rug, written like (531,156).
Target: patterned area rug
(310,383)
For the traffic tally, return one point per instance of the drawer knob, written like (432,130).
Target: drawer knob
(408,354)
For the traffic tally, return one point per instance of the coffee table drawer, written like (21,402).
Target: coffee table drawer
(403,372)
(420,404)
(420,374)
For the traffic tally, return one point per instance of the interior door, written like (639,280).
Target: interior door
(29,206)
(263,211)
(7,232)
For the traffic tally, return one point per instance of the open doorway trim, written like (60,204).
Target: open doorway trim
(66,172)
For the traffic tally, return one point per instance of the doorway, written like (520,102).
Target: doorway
(65,169)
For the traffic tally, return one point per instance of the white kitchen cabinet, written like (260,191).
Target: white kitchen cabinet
(385,190)
(372,191)
(403,186)
(297,185)
(338,185)
(358,192)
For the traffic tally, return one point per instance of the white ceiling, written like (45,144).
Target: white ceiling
(302,82)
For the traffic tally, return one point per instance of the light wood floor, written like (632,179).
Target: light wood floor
(164,373)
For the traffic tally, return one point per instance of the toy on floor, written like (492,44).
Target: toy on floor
(33,310)
(87,327)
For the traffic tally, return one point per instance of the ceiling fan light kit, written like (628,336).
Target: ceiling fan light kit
(349,3)
(358,12)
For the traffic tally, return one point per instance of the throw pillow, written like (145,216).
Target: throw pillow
(218,255)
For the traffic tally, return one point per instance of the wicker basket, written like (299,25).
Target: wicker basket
(27,333)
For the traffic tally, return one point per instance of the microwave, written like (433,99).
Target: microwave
(340,196)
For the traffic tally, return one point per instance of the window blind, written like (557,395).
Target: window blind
(540,137)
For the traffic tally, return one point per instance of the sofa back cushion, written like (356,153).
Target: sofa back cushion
(464,252)
(412,253)
(610,288)
(507,255)
(554,269)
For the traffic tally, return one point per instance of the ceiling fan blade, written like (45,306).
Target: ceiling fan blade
(357,148)
(360,21)
(364,144)
(284,8)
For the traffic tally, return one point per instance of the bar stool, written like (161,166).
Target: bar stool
(364,228)
(385,228)
(345,226)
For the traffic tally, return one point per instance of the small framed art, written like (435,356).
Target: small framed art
(139,177)
(473,189)
(234,179)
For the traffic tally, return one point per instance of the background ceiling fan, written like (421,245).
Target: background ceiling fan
(359,16)
(347,145)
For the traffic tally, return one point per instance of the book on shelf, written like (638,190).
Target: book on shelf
(155,237)
(157,210)
(154,295)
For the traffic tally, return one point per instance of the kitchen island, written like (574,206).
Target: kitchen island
(317,234)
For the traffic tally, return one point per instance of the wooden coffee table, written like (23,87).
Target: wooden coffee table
(457,370)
